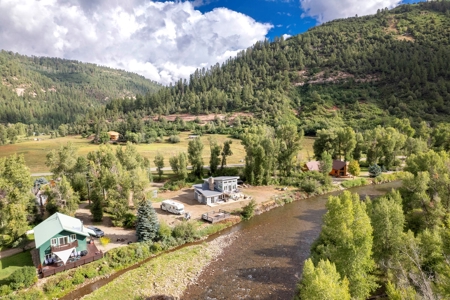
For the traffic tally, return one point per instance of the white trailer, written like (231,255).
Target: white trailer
(173,207)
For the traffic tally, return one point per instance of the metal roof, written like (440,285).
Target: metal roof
(206,193)
(54,224)
(222,178)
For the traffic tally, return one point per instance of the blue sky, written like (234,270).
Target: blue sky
(162,40)
(284,15)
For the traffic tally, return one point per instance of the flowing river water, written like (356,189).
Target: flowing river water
(266,259)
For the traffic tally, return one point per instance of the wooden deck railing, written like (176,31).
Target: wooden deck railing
(50,270)
(74,244)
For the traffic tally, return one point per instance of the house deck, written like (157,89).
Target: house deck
(215,216)
(48,270)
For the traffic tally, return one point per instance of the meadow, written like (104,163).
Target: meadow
(35,151)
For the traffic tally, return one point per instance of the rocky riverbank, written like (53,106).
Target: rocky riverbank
(166,276)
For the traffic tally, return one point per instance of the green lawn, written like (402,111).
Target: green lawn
(9,264)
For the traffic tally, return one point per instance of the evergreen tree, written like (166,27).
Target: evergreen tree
(147,224)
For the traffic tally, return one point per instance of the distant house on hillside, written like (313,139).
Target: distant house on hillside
(214,189)
(339,168)
(113,135)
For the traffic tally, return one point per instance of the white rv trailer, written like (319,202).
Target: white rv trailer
(173,207)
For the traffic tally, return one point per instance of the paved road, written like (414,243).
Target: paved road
(153,170)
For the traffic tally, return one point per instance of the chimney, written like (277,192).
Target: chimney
(211,183)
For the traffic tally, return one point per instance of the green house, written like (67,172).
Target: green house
(60,236)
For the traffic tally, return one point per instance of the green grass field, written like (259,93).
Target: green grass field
(9,264)
(35,151)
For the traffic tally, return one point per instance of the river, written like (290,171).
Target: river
(266,260)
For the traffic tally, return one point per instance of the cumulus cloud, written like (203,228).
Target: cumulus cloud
(326,10)
(163,41)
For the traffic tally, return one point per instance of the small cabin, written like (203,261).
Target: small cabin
(113,135)
(339,168)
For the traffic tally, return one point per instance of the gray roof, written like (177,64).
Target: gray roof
(222,178)
(54,224)
(206,193)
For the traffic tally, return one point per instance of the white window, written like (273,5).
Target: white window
(63,240)
(53,242)
(73,237)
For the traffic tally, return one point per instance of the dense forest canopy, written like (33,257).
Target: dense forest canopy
(359,72)
(54,91)
(354,71)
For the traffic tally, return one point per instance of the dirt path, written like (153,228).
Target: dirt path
(118,235)
(10,252)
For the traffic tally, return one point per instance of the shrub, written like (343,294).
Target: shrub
(65,284)
(78,277)
(185,231)
(164,231)
(374,170)
(356,182)
(353,168)
(174,139)
(23,278)
(129,220)
(90,272)
(104,269)
(50,287)
(5,290)
(310,185)
(249,210)
(104,240)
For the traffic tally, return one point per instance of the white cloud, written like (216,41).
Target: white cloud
(326,10)
(163,41)
(286,36)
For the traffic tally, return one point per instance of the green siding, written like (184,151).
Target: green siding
(46,249)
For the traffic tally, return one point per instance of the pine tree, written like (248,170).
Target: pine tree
(147,224)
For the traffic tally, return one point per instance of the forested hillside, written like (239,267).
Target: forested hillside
(55,91)
(356,71)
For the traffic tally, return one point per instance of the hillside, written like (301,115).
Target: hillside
(53,91)
(359,71)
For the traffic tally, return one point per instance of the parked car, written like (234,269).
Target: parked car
(98,232)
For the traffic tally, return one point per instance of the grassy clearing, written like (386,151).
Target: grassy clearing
(35,151)
(9,264)
(159,276)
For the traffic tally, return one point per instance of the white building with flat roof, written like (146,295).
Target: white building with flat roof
(214,189)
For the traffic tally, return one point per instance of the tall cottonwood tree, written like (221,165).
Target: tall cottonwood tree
(226,151)
(322,282)
(15,197)
(62,161)
(347,242)
(195,150)
(214,159)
